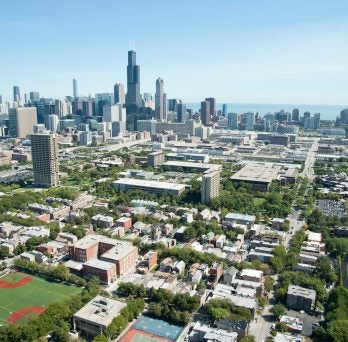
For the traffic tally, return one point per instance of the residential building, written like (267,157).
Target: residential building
(75,91)
(300,298)
(159,103)
(155,159)
(44,151)
(210,186)
(232,122)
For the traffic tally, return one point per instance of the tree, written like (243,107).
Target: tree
(269,281)
(281,327)
(338,330)
(100,338)
(278,310)
(4,252)
(219,313)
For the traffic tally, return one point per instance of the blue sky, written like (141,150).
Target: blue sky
(259,51)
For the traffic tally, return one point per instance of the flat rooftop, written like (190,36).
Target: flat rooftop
(301,291)
(100,264)
(257,172)
(193,165)
(100,310)
(150,184)
(119,251)
(90,240)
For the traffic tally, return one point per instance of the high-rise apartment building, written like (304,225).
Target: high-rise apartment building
(22,121)
(172,104)
(205,113)
(181,111)
(133,98)
(210,186)
(212,105)
(312,123)
(119,94)
(232,121)
(159,103)
(75,91)
(16,94)
(44,151)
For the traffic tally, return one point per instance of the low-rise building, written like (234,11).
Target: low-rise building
(300,298)
(96,316)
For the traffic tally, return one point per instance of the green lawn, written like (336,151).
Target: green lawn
(258,201)
(39,292)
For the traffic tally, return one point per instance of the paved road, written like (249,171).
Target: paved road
(308,170)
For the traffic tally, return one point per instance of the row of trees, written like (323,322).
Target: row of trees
(59,272)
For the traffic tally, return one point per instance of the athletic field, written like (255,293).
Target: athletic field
(22,296)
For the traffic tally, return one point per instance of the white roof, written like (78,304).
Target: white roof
(248,272)
(150,184)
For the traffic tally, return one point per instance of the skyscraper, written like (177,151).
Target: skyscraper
(119,95)
(224,110)
(181,110)
(210,186)
(344,117)
(34,96)
(165,107)
(212,107)
(16,94)
(232,120)
(75,91)
(53,122)
(159,100)
(133,99)
(44,151)
(205,113)
(249,121)
(295,115)
(22,121)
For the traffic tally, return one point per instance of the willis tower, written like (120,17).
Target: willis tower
(133,100)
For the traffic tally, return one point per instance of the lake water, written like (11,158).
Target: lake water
(327,112)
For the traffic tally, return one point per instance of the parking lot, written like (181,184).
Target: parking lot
(331,208)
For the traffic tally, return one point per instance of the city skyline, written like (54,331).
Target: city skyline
(256,53)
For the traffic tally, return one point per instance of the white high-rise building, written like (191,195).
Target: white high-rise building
(210,186)
(53,122)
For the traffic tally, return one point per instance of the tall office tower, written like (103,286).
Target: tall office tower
(165,112)
(53,122)
(224,110)
(212,102)
(295,115)
(44,152)
(22,121)
(110,113)
(159,99)
(210,186)
(232,121)
(344,117)
(16,94)
(249,121)
(87,108)
(133,98)
(0,99)
(34,96)
(316,121)
(102,100)
(181,110)
(148,97)
(205,113)
(25,98)
(119,96)
(173,104)
(75,91)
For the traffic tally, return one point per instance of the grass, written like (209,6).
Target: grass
(258,201)
(39,292)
